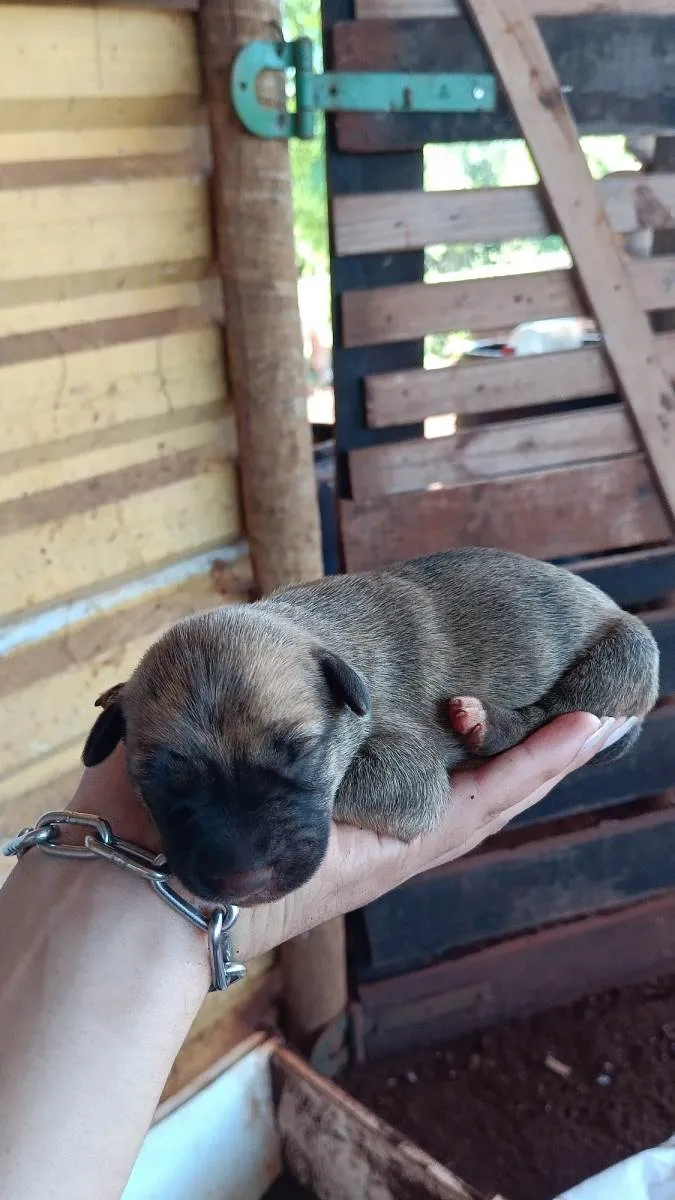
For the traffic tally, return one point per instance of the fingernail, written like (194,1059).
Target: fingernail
(620,731)
(599,734)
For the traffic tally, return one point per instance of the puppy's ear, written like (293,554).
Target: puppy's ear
(108,729)
(346,685)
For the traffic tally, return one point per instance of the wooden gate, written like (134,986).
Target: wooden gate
(567,456)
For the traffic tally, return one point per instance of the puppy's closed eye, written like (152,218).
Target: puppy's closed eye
(291,746)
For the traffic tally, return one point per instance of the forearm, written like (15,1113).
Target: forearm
(99,984)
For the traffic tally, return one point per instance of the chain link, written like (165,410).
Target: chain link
(99,841)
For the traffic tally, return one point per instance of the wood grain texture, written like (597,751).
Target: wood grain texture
(514,890)
(394,314)
(341,1150)
(395,221)
(548,514)
(649,770)
(491,451)
(481,386)
(527,974)
(521,60)
(397,9)
(266,373)
(618,68)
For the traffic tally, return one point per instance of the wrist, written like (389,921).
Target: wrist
(106,791)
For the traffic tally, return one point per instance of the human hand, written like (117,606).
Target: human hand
(360,866)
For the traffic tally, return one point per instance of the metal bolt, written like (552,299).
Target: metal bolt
(478,92)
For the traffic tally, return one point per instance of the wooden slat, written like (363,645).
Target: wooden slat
(550,514)
(490,451)
(527,974)
(520,57)
(394,314)
(63,397)
(396,9)
(633,579)
(395,221)
(480,386)
(648,770)
(509,891)
(340,1149)
(618,72)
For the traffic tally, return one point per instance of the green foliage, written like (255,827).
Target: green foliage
(307,158)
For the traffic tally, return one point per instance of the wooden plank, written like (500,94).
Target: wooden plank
(393,314)
(104,543)
(475,386)
(393,10)
(61,397)
(648,770)
(491,451)
(527,974)
(520,56)
(550,514)
(392,221)
(365,174)
(502,892)
(618,69)
(632,579)
(71,52)
(46,232)
(340,1150)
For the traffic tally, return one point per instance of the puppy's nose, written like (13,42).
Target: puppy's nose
(243,884)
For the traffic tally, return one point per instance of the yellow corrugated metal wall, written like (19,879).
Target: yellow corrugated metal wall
(117,458)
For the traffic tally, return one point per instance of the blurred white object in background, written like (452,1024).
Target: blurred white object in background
(646,1176)
(547,336)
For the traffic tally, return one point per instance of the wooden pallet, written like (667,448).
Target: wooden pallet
(567,456)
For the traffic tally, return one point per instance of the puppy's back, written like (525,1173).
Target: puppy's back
(504,625)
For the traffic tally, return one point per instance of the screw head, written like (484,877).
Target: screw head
(478,92)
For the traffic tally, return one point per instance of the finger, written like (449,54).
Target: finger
(487,797)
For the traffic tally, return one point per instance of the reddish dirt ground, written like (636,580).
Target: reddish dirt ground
(487,1106)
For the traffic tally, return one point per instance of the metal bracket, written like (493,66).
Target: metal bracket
(344,91)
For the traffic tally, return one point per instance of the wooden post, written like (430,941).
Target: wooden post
(266,374)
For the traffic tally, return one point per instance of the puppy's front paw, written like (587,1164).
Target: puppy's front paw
(468,720)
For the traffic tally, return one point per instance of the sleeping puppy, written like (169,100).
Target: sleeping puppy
(250,727)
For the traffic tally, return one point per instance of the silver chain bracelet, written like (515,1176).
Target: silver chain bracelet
(101,842)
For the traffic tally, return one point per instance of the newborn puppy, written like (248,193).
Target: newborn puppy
(250,727)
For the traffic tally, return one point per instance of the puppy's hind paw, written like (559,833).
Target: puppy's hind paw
(468,720)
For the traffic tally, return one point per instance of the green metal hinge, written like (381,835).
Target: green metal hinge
(344,91)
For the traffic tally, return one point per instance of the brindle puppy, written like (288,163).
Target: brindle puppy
(249,727)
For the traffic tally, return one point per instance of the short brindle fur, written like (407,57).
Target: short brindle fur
(249,727)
